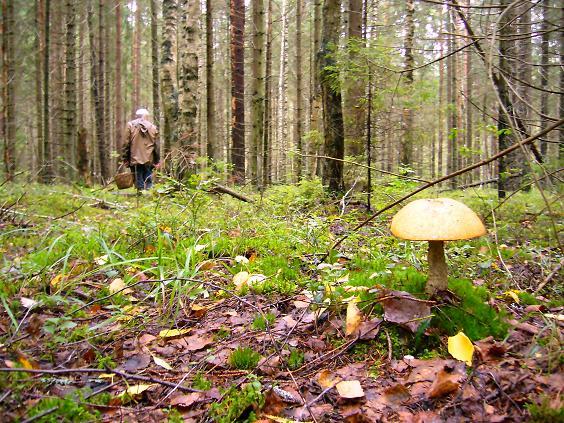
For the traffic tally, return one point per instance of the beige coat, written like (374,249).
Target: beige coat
(141,143)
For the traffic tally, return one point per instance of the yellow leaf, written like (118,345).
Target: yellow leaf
(134,390)
(160,362)
(240,279)
(354,318)
(56,281)
(118,285)
(350,389)
(26,364)
(327,379)
(106,376)
(461,348)
(172,333)
(513,295)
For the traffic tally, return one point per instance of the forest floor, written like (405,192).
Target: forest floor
(182,305)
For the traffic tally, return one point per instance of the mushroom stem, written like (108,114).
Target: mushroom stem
(438,270)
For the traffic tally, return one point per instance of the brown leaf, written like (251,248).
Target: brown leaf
(397,394)
(403,308)
(136,362)
(146,339)
(326,379)
(350,389)
(185,401)
(354,318)
(369,330)
(195,342)
(445,383)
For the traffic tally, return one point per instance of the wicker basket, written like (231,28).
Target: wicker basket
(124,180)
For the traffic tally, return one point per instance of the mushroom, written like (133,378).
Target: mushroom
(436,220)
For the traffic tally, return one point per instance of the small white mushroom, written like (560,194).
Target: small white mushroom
(436,220)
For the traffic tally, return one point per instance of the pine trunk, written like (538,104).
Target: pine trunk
(119,123)
(212,144)
(47,159)
(155,63)
(331,98)
(257,87)
(136,67)
(70,85)
(267,131)
(237,29)
(299,92)
(406,150)
(8,101)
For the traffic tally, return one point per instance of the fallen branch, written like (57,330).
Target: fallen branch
(445,178)
(220,189)
(100,371)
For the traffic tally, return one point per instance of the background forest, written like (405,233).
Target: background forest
(271,87)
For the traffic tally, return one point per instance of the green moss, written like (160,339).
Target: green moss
(472,315)
(239,404)
(543,412)
(244,358)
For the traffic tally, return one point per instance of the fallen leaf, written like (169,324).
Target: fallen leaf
(173,333)
(135,363)
(461,348)
(242,260)
(134,390)
(146,338)
(206,265)
(198,310)
(369,330)
(326,379)
(350,389)
(396,394)
(354,318)
(160,362)
(118,285)
(240,279)
(281,419)
(403,308)
(56,281)
(100,261)
(187,400)
(445,383)
(28,302)
(196,342)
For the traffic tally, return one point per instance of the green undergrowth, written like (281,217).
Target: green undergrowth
(91,235)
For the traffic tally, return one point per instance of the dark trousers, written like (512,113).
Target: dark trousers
(143,175)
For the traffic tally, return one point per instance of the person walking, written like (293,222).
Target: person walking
(141,149)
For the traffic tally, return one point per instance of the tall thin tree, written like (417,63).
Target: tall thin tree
(257,87)
(237,29)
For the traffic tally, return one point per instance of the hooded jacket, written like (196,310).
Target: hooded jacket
(141,144)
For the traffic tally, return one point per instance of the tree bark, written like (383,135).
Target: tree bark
(119,123)
(331,97)
(237,26)
(47,160)
(9,66)
(257,87)
(281,99)
(210,86)
(267,131)
(70,84)
(136,66)
(169,93)
(299,91)
(188,82)
(39,24)
(406,149)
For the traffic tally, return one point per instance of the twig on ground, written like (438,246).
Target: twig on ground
(550,276)
(100,371)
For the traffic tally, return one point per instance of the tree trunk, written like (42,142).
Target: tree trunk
(267,131)
(136,66)
(70,84)
(237,26)
(257,87)
(299,91)
(39,24)
(47,159)
(188,82)
(210,86)
(561,101)
(406,150)
(119,123)
(331,97)
(543,70)
(169,93)
(8,101)
(281,134)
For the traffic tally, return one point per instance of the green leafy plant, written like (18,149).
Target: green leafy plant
(296,359)
(262,322)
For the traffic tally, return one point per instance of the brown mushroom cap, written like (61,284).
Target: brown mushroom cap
(439,219)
